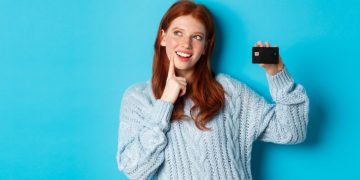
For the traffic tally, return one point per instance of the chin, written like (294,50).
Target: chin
(183,67)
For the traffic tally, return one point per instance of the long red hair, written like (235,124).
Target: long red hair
(206,93)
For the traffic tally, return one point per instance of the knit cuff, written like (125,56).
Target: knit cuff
(161,113)
(280,82)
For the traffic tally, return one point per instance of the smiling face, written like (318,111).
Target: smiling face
(186,40)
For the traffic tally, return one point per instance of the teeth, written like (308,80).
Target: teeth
(183,54)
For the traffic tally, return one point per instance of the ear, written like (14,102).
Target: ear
(163,34)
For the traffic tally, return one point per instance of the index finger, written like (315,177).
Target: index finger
(171,72)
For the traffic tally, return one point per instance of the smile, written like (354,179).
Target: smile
(186,55)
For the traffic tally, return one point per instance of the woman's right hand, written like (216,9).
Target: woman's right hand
(175,86)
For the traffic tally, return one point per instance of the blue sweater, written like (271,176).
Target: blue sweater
(149,146)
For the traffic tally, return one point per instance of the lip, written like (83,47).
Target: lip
(184,51)
(184,59)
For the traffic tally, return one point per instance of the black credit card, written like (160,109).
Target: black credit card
(265,55)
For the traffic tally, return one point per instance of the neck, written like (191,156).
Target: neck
(187,74)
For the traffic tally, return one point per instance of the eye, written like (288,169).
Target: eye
(177,33)
(198,37)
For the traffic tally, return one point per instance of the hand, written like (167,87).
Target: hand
(271,69)
(175,86)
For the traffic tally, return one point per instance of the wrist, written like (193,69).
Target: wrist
(166,99)
(273,71)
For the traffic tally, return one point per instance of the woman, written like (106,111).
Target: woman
(188,123)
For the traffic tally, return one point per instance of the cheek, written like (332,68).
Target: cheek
(173,42)
(199,46)
(171,45)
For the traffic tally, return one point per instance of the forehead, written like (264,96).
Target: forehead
(188,23)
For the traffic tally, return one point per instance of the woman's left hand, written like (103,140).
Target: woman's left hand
(271,69)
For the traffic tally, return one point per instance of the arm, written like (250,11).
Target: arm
(284,122)
(142,138)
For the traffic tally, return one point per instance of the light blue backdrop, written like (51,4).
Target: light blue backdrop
(64,65)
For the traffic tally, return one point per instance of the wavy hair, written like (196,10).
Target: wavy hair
(206,93)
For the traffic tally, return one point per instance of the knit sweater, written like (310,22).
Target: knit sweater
(149,146)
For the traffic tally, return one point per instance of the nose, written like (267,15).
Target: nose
(186,42)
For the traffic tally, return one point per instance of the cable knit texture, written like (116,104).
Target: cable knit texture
(150,147)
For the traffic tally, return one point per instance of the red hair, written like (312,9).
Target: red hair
(206,93)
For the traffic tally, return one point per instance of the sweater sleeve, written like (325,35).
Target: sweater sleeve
(285,121)
(142,138)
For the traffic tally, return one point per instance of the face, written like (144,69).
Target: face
(185,39)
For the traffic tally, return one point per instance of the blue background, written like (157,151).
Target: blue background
(65,64)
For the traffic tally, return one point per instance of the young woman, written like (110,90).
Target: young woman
(187,122)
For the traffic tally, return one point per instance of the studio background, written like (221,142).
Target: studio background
(64,66)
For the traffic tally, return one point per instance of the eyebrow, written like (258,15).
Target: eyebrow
(183,30)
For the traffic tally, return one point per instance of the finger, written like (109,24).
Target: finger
(259,43)
(267,44)
(182,83)
(180,78)
(171,72)
(280,60)
(182,90)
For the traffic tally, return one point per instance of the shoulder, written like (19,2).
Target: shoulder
(136,88)
(231,85)
(139,92)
